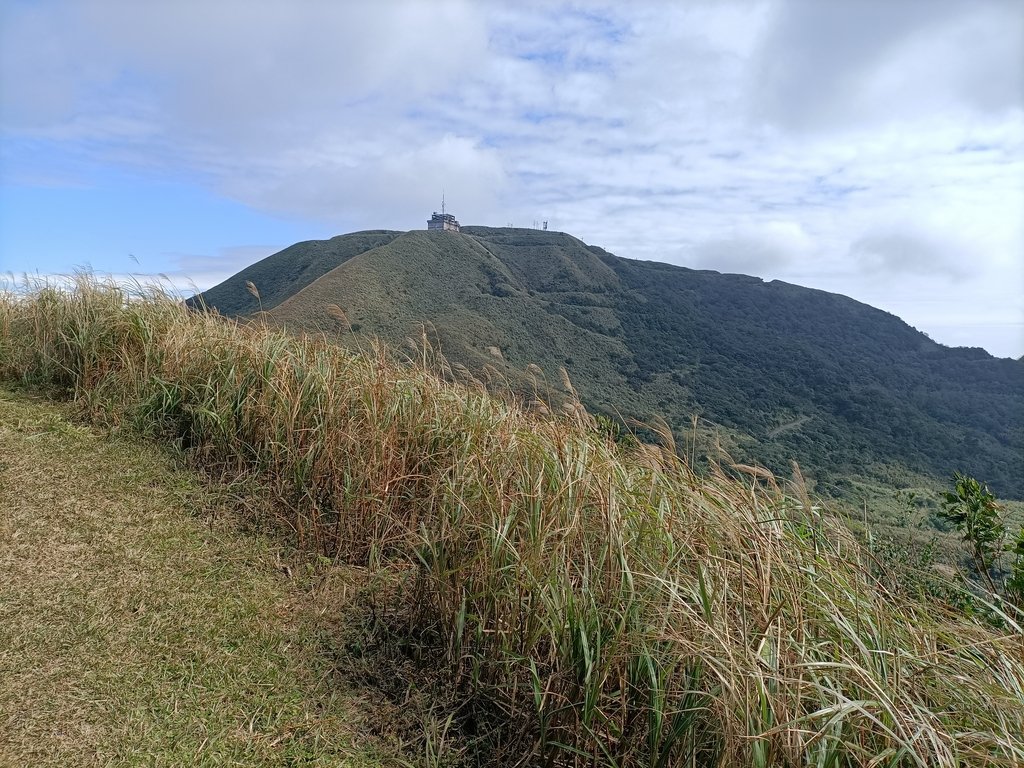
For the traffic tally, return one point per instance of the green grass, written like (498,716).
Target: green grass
(136,629)
(776,372)
(283,274)
(581,603)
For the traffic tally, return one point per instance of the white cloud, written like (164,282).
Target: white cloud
(902,253)
(182,274)
(376,183)
(843,144)
(764,250)
(836,65)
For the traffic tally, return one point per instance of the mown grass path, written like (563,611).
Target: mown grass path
(136,631)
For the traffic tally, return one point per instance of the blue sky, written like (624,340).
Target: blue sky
(871,148)
(120,223)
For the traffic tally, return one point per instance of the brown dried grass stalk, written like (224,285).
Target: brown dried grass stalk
(618,609)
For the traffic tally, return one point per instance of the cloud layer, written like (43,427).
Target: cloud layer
(862,146)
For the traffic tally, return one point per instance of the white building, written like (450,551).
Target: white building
(443,221)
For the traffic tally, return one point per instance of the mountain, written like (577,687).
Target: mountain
(784,372)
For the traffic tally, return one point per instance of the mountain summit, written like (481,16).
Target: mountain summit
(785,372)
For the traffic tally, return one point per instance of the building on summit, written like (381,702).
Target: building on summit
(443,221)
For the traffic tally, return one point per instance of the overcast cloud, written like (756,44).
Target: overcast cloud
(869,147)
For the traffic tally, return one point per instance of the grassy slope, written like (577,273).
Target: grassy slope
(133,632)
(588,605)
(472,303)
(790,373)
(288,271)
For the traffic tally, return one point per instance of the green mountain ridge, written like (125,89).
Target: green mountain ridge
(790,373)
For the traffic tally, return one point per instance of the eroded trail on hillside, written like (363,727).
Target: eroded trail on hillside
(135,631)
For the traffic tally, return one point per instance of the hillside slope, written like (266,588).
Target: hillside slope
(559,599)
(789,372)
(289,271)
(135,632)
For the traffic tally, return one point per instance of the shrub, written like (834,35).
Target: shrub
(973,511)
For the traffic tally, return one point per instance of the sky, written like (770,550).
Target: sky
(873,148)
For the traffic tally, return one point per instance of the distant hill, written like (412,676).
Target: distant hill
(287,272)
(787,372)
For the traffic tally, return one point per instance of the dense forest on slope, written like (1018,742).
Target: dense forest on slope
(788,373)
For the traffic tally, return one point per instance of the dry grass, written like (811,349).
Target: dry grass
(135,633)
(591,606)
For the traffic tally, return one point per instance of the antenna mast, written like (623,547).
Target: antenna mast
(442,202)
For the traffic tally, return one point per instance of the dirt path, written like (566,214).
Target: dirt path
(136,631)
(795,424)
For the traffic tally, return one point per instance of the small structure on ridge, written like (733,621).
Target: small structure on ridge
(443,221)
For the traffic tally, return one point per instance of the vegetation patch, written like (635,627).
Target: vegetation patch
(138,626)
(776,372)
(588,602)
